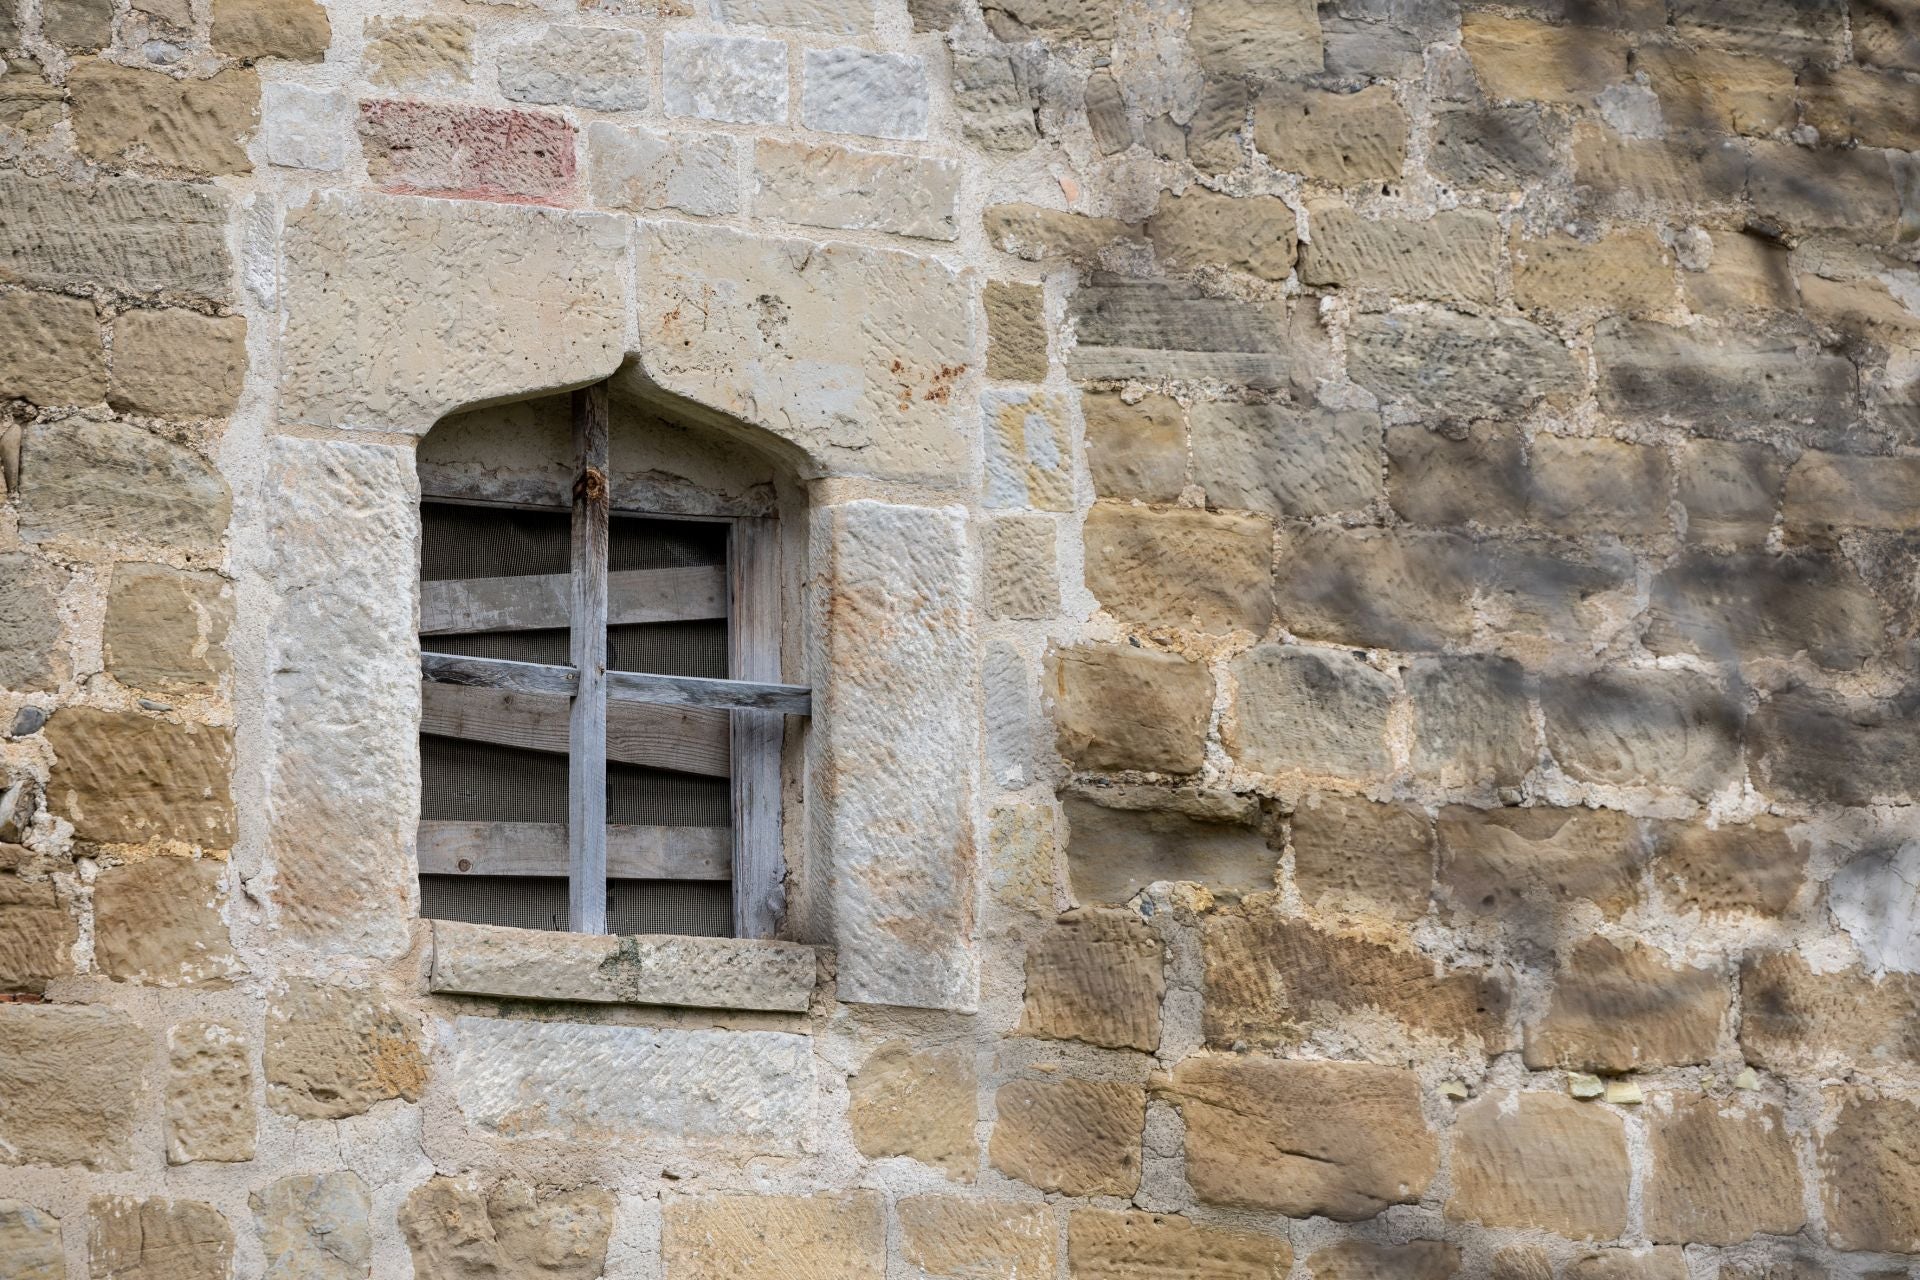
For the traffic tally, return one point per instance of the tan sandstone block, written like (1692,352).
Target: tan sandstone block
(1202,228)
(1798,1021)
(50,350)
(1313,711)
(72,1079)
(126,114)
(1629,1264)
(948,1238)
(1353,855)
(112,484)
(1096,976)
(1517,60)
(122,776)
(31,655)
(1135,450)
(1022,569)
(1869,108)
(1246,37)
(209,1097)
(1722,1173)
(1362,1260)
(1492,861)
(37,931)
(332,1052)
(1339,1139)
(1016,331)
(1713,91)
(1540,1160)
(1745,867)
(167,626)
(78,26)
(431,52)
(174,363)
(1745,271)
(159,921)
(1036,234)
(822,1237)
(156,1239)
(1077,1137)
(848,189)
(456,1232)
(1522,1262)
(1339,138)
(1630,271)
(1181,567)
(1868,1176)
(1454,255)
(917,1103)
(1118,707)
(294,29)
(1104,1245)
(1618,1009)
(30,1243)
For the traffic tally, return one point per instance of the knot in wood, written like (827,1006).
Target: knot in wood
(591,486)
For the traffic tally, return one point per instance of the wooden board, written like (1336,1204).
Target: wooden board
(540,602)
(540,849)
(587,726)
(685,739)
(694,691)
(497,673)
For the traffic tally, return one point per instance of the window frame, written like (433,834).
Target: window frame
(753,697)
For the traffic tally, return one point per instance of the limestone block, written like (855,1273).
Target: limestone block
(1016,331)
(166,627)
(174,363)
(740,79)
(1501,864)
(1036,234)
(1361,1260)
(1340,138)
(297,30)
(124,776)
(158,921)
(121,114)
(849,353)
(72,1080)
(209,1094)
(1722,1174)
(1827,748)
(1315,711)
(1285,460)
(1729,491)
(342,696)
(1095,976)
(1473,727)
(993,100)
(948,1238)
(30,622)
(1828,493)
(1012,724)
(37,933)
(1024,849)
(1447,479)
(50,350)
(839,187)
(1125,838)
(1181,567)
(474,153)
(1867,1179)
(1029,460)
(30,1243)
(125,234)
(1753,868)
(1017,20)
(1796,1020)
(1271,980)
(1152,330)
(457,325)
(1459,366)
(315,1227)
(156,1239)
(629,167)
(1201,228)
(900,729)
(1540,1160)
(918,1103)
(430,52)
(744,1237)
(600,68)
(1652,370)
(1516,60)
(1342,1140)
(1503,148)
(1351,854)
(332,1052)
(880,95)
(1105,1245)
(454,1231)
(1077,1137)
(305,128)
(79,26)
(1452,256)
(1118,707)
(707,973)
(1674,729)
(1617,1009)
(1136,450)
(828,17)
(610,1083)
(114,484)
(1754,606)
(1246,37)
(1023,575)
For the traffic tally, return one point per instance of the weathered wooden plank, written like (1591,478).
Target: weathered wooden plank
(694,691)
(753,653)
(587,737)
(536,602)
(497,673)
(540,849)
(687,739)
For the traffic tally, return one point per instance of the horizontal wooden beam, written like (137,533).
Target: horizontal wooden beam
(692,691)
(534,602)
(498,673)
(686,739)
(540,849)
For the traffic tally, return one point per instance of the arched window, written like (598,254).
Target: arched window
(602,710)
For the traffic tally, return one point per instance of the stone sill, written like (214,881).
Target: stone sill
(701,973)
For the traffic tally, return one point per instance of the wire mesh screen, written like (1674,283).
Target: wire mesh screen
(669,648)
(552,647)
(703,908)
(463,781)
(459,541)
(644,542)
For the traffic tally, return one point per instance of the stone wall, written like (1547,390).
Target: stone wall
(1362,569)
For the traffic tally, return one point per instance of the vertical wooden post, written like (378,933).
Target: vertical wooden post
(587,726)
(753,653)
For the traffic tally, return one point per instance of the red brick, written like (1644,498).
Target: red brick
(475,153)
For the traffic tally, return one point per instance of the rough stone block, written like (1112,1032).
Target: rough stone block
(879,95)
(1107,114)
(1135,450)
(473,153)
(1729,491)
(126,234)
(1744,272)
(197,126)
(166,627)
(1353,855)
(1095,976)
(37,933)
(123,776)
(739,79)
(1675,729)
(643,170)
(1801,1022)
(599,68)
(174,363)
(1085,20)
(1583,485)
(1884,36)
(1247,37)
(1513,863)
(1542,1161)
(1285,460)
(1313,711)
(1867,1175)
(434,51)
(1629,272)
(30,1243)
(1722,1174)
(1473,727)
(1361,1260)
(1118,707)
(900,725)
(1342,1140)
(1830,493)
(1516,60)
(1013,731)
(1023,574)
(919,1103)
(111,483)
(1024,850)
(297,30)
(1271,980)
(1105,1245)
(1629,1264)
(1340,138)
(947,1238)
(156,1239)
(315,1227)
(1447,479)
(332,1052)
(1824,747)
(856,190)
(73,1080)
(455,1232)
(1181,567)
(1866,108)
(1381,588)
(993,99)
(1152,330)
(1641,176)
(78,26)
(1028,440)
(1619,1009)
(1778,28)
(1077,1137)
(1201,228)
(1755,606)
(1800,189)
(1016,331)
(829,17)
(1503,148)
(743,1237)
(50,350)
(1126,838)
(1711,91)
(1458,366)
(1453,256)
(209,1094)
(1652,370)
(305,128)
(1751,867)
(30,589)
(455,328)
(158,921)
